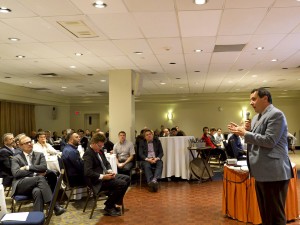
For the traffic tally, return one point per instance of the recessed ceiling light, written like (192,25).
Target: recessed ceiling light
(172,63)
(274,60)
(162,83)
(99,4)
(198,50)
(20,56)
(230,81)
(4,10)
(63,87)
(103,81)
(14,39)
(298,78)
(62,90)
(73,67)
(200,2)
(264,81)
(260,48)
(254,76)
(237,89)
(78,54)
(138,53)
(180,87)
(29,82)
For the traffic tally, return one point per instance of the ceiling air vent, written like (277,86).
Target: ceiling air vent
(40,89)
(78,28)
(229,48)
(48,75)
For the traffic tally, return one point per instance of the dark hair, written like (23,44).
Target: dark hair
(205,128)
(69,135)
(98,138)
(212,129)
(40,134)
(173,128)
(122,132)
(147,130)
(262,92)
(180,133)
(80,131)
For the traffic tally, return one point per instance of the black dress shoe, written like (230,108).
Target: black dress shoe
(155,186)
(111,212)
(151,186)
(58,210)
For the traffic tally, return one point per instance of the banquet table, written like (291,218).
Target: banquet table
(239,196)
(176,159)
(52,163)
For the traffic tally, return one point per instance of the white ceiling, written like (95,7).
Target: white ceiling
(166,31)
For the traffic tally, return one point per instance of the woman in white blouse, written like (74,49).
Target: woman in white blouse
(43,146)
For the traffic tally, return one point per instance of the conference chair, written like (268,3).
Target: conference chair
(136,170)
(39,218)
(67,186)
(19,200)
(7,189)
(101,196)
(290,144)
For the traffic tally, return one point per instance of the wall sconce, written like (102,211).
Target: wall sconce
(170,115)
(200,2)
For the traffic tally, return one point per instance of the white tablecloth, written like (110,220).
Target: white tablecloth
(52,163)
(113,161)
(177,157)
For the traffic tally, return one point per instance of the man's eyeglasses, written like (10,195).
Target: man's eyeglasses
(26,143)
(100,146)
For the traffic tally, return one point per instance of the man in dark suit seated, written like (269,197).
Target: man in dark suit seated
(6,153)
(31,175)
(235,144)
(100,177)
(151,153)
(72,161)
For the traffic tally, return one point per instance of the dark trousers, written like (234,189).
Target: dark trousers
(38,188)
(152,171)
(271,198)
(126,169)
(117,188)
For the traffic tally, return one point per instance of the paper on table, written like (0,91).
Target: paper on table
(242,163)
(22,216)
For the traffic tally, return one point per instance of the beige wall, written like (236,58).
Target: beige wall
(190,117)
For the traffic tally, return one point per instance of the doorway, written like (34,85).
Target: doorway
(92,121)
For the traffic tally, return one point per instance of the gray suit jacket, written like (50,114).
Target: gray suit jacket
(267,147)
(39,165)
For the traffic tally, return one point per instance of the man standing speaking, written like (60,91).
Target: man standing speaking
(268,160)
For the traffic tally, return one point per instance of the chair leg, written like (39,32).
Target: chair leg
(12,209)
(94,206)
(19,207)
(141,173)
(62,196)
(87,200)
(69,198)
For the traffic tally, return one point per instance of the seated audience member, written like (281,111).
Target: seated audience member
(161,133)
(212,137)
(31,176)
(108,145)
(180,133)
(83,139)
(100,176)
(63,141)
(49,137)
(42,146)
(72,161)
(219,136)
(6,153)
(55,136)
(166,132)
(234,142)
(214,150)
(151,153)
(173,131)
(33,136)
(87,133)
(124,151)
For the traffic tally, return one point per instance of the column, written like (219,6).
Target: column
(121,104)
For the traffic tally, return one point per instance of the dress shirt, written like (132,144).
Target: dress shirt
(151,153)
(123,150)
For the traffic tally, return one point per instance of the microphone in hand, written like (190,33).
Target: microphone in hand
(247,123)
